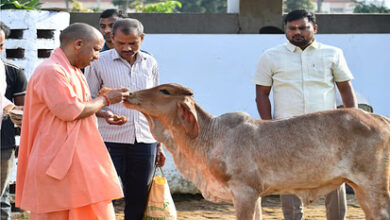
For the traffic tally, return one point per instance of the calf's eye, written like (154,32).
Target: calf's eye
(164,91)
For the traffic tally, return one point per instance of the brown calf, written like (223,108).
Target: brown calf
(235,158)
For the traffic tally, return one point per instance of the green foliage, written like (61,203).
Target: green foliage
(78,7)
(204,6)
(96,10)
(187,6)
(290,5)
(116,2)
(363,7)
(20,4)
(165,6)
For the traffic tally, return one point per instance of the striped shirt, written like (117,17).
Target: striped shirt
(112,71)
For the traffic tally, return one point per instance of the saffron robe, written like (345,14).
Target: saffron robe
(63,163)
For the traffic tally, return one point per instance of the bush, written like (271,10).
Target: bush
(166,6)
(20,4)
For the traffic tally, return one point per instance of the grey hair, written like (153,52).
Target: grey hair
(128,25)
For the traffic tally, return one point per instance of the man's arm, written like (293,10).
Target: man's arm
(19,86)
(95,82)
(347,94)
(19,100)
(109,116)
(263,102)
(160,156)
(114,96)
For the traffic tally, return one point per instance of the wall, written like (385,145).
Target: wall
(252,15)
(239,23)
(219,68)
(34,34)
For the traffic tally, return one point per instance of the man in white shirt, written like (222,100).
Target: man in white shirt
(132,147)
(303,74)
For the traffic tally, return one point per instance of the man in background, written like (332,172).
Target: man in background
(107,19)
(16,88)
(304,74)
(133,149)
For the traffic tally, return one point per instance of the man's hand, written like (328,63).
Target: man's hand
(8,108)
(263,102)
(112,118)
(117,95)
(111,97)
(16,115)
(160,156)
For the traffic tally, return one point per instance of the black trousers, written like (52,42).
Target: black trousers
(134,164)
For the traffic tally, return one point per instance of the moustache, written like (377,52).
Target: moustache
(298,36)
(127,51)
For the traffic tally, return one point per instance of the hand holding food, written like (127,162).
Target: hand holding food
(8,108)
(113,119)
(116,120)
(16,116)
(119,118)
(114,96)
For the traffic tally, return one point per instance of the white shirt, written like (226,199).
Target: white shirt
(112,71)
(302,81)
(4,102)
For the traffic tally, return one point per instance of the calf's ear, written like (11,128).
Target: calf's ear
(188,117)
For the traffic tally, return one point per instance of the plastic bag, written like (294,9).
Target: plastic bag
(160,204)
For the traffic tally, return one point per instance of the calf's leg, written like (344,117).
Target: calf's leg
(374,200)
(258,209)
(245,202)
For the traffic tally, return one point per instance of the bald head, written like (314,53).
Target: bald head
(81,44)
(79,31)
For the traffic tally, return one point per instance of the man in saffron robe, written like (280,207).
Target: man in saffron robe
(64,169)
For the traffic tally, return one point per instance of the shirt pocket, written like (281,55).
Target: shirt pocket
(147,75)
(320,69)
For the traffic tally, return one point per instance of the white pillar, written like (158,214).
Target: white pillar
(233,6)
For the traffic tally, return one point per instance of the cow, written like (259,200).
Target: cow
(237,159)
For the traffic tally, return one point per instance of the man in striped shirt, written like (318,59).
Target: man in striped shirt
(131,145)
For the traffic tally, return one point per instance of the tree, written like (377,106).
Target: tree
(290,5)
(363,7)
(188,6)
(166,6)
(203,6)
(124,4)
(20,4)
